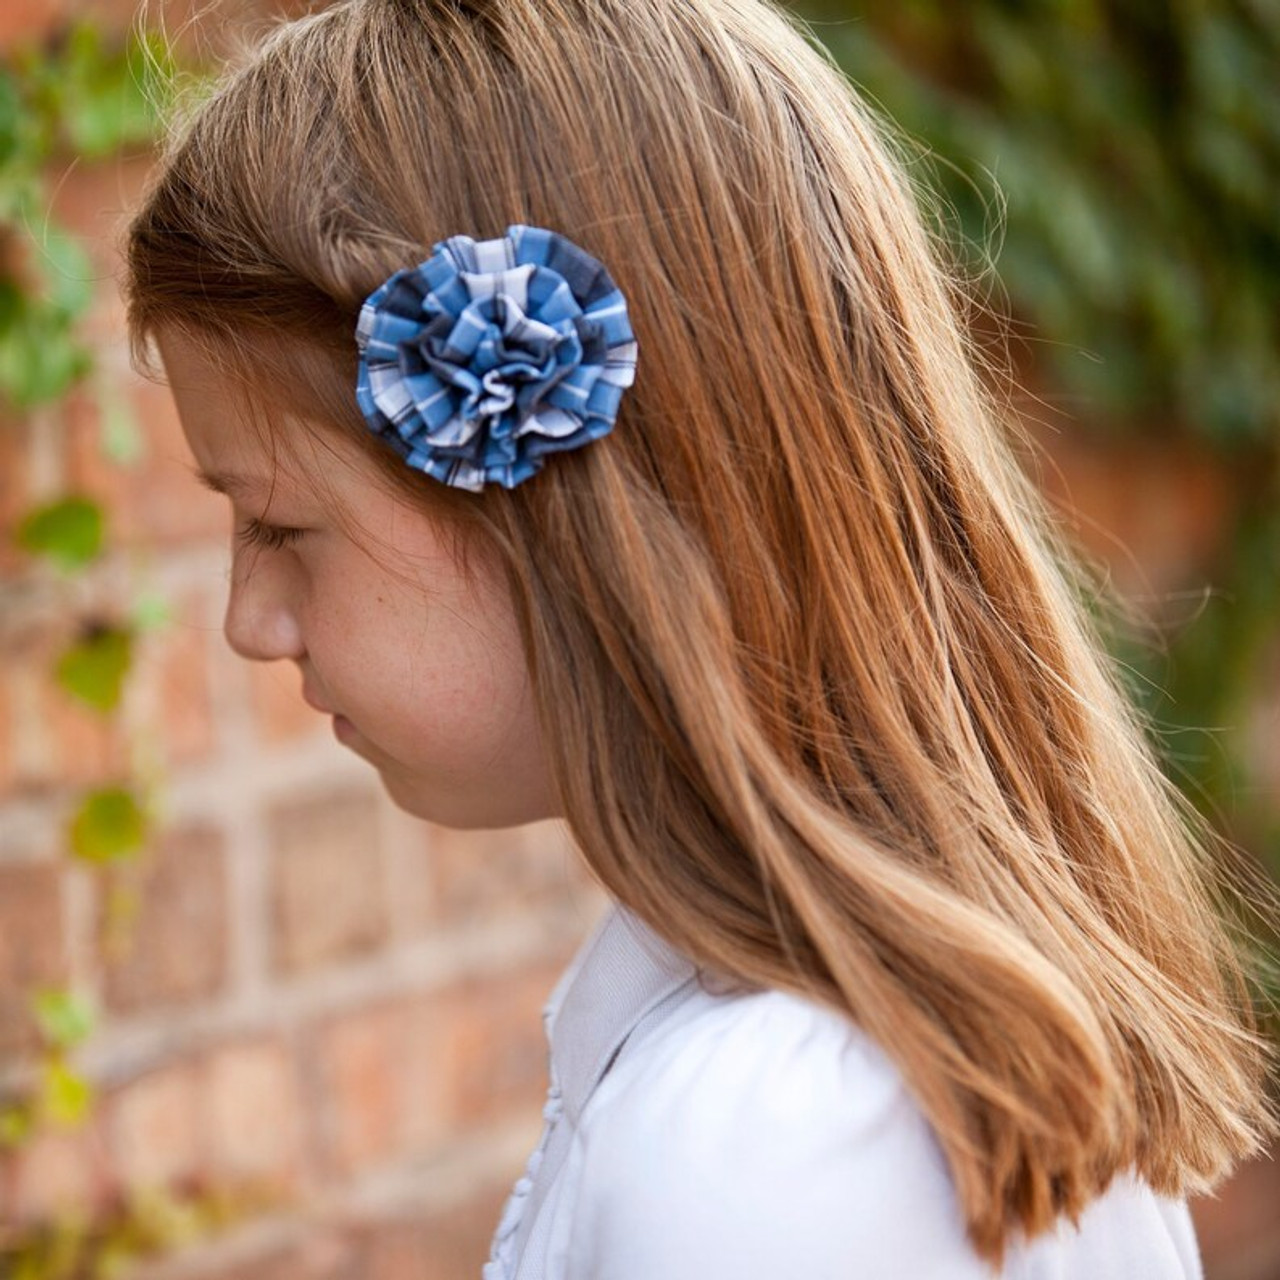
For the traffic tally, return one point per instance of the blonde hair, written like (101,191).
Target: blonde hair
(821,701)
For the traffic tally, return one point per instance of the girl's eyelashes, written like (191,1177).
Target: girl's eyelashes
(255,533)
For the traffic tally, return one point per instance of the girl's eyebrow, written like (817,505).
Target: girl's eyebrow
(228,483)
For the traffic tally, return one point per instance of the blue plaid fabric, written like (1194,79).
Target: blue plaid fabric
(490,355)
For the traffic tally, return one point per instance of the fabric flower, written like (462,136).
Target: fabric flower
(490,355)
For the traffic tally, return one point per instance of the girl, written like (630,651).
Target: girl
(604,443)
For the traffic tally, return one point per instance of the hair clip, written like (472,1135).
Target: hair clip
(490,355)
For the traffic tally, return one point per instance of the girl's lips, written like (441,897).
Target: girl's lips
(315,704)
(342,727)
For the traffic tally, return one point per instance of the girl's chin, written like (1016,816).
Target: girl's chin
(453,809)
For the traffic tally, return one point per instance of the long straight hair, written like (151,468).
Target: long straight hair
(821,700)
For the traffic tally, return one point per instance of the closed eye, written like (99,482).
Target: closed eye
(255,533)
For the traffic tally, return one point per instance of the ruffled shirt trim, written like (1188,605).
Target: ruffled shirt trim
(622,973)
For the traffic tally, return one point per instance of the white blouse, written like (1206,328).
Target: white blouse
(757,1136)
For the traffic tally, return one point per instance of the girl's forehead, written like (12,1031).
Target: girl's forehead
(245,446)
(282,423)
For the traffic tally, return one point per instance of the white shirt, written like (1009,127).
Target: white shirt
(759,1136)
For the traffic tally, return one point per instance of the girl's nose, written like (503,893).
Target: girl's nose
(260,623)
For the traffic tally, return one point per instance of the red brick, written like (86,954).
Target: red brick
(478,875)
(90,749)
(153,1127)
(450,1243)
(406,1077)
(19,685)
(1238,1227)
(155,499)
(8,736)
(279,711)
(427,1083)
(53,740)
(24,22)
(92,199)
(176,949)
(173,669)
(104,328)
(323,1253)
(199,30)
(327,880)
(474,1053)
(500,1050)
(446,1244)
(32,947)
(1157,514)
(55,1171)
(251,1104)
(356,1058)
(16,496)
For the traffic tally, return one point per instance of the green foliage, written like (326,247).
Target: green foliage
(62,1097)
(78,97)
(109,825)
(65,1017)
(39,359)
(81,97)
(68,531)
(147,1223)
(65,1096)
(94,667)
(1136,150)
(17,1122)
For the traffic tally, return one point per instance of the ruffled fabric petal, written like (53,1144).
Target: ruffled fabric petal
(480,362)
(502,1260)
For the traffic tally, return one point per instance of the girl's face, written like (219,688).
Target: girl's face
(423,672)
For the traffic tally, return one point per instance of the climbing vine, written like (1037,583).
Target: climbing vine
(79,97)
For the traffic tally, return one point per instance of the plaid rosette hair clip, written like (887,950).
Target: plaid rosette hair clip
(490,355)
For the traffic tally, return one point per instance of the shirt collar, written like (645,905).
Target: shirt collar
(620,974)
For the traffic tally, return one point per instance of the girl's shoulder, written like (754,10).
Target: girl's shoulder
(785,1057)
(763,1134)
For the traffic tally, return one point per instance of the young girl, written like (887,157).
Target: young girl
(604,443)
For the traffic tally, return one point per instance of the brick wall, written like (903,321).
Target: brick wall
(320,1009)
(320,1006)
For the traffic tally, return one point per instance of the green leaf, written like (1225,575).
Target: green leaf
(164,1218)
(110,825)
(13,306)
(68,531)
(10,116)
(66,271)
(94,667)
(21,190)
(109,95)
(40,357)
(65,1017)
(16,1124)
(64,1095)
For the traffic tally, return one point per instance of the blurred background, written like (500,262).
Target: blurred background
(256,1022)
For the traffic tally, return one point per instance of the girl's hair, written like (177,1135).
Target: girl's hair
(821,701)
